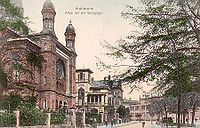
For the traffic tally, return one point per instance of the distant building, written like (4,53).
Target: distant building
(138,109)
(102,97)
(129,102)
(54,82)
(83,83)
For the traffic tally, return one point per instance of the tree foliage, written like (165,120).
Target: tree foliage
(123,111)
(7,119)
(12,17)
(166,48)
(161,106)
(35,59)
(30,115)
(10,102)
(58,117)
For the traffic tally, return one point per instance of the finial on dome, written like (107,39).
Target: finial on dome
(70,27)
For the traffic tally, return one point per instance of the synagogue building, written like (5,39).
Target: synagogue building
(39,65)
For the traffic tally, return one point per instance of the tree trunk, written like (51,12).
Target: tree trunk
(179,108)
(184,117)
(166,117)
(180,90)
(193,114)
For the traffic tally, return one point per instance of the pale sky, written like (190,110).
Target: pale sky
(91,29)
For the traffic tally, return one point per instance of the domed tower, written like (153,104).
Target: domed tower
(48,13)
(70,36)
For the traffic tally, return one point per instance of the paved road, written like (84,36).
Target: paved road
(153,125)
(136,125)
(148,124)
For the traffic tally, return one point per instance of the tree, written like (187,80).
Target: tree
(164,50)
(12,17)
(122,111)
(161,106)
(193,102)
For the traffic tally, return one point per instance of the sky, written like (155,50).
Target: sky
(101,21)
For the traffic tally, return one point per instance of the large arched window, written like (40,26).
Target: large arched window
(60,69)
(81,95)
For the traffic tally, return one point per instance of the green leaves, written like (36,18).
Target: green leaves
(10,9)
(123,111)
(7,119)
(10,102)
(3,78)
(30,115)
(58,117)
(35,59)
(13,18)
(155,10)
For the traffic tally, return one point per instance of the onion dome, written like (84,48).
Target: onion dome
(70,28)
(48,5)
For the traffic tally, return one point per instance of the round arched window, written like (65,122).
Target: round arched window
(60,69)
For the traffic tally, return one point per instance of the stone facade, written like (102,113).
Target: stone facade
(54,82)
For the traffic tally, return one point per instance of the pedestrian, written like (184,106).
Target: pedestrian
(143,123)
(111,123)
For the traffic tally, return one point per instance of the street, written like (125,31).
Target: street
(128,125)
(136,125)
(139,125)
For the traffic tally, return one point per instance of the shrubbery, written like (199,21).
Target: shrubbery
(168,120)
(58,117)
(10,102)
(30,115)
(7,119)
